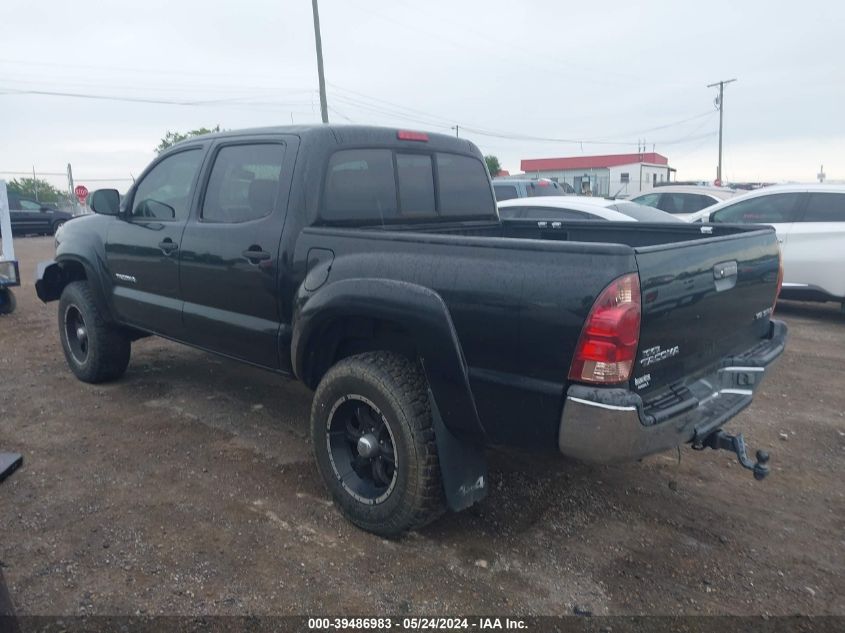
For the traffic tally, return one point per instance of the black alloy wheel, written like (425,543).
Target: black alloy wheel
(361,449)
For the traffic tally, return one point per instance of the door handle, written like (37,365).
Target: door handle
(167,246)
(255,256)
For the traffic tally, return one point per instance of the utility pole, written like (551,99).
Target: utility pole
(721,102)
(324,107)
(457,129)
(70,194)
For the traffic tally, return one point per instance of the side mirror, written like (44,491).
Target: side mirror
(105,201)
(712,217)
(45,209)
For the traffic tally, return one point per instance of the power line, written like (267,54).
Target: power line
(232,101)
(448,123)
(125,69)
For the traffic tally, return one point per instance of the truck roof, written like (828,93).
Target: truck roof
(351,135)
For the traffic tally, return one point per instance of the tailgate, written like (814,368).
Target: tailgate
(702,300)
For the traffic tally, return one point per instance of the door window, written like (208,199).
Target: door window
(825,207)
(696,202)
(165,192)
(773,209)
(29,205)
(244,183)
(650,199)
(684,202)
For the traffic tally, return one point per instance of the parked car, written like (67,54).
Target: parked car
(31,216)
(371,264)
(810,224)
(565,208)
(683,200)
(509,188)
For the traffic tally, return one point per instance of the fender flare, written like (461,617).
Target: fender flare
(50,280)
(419,310)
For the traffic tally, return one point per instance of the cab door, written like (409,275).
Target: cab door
(813,256)
(142,249)
(229,260)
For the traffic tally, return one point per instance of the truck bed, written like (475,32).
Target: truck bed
(537,286)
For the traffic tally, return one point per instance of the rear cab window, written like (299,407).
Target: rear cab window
(360,185)
(464,186)
(387,185)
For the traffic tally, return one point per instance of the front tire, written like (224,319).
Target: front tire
(374,443)
(95,350)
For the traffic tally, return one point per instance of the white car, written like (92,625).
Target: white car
(810,223)
(568,208)
(684,200)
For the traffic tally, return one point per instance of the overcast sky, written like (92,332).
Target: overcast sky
(608,71)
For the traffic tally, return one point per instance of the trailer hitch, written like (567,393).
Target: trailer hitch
(719,440)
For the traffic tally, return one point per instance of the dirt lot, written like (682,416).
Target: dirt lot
(188,487)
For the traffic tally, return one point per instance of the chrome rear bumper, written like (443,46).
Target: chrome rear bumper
(601,424)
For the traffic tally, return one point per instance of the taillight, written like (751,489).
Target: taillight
(608,342)
(780,279)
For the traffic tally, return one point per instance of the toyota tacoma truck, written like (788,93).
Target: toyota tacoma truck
(371,264)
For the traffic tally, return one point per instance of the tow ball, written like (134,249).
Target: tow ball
(719,440)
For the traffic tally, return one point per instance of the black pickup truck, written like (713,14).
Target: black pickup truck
(371,264)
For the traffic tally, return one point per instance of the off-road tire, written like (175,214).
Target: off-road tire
(399,390)
(8,303)
(108,347)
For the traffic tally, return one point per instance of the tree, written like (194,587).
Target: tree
(37,189)
(493,165)
(171,138)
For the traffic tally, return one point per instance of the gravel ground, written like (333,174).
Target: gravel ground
(188,487)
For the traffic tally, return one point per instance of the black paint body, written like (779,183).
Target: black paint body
(493,309)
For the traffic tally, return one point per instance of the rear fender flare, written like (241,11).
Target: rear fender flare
(422,313)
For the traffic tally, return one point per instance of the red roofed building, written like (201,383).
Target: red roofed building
(607,175)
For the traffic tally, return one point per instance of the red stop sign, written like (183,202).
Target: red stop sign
(81,192)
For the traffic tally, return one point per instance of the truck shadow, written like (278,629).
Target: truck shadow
(528,493)
(828,312)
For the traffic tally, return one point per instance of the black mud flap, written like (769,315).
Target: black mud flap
(9,463)
(462,465)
